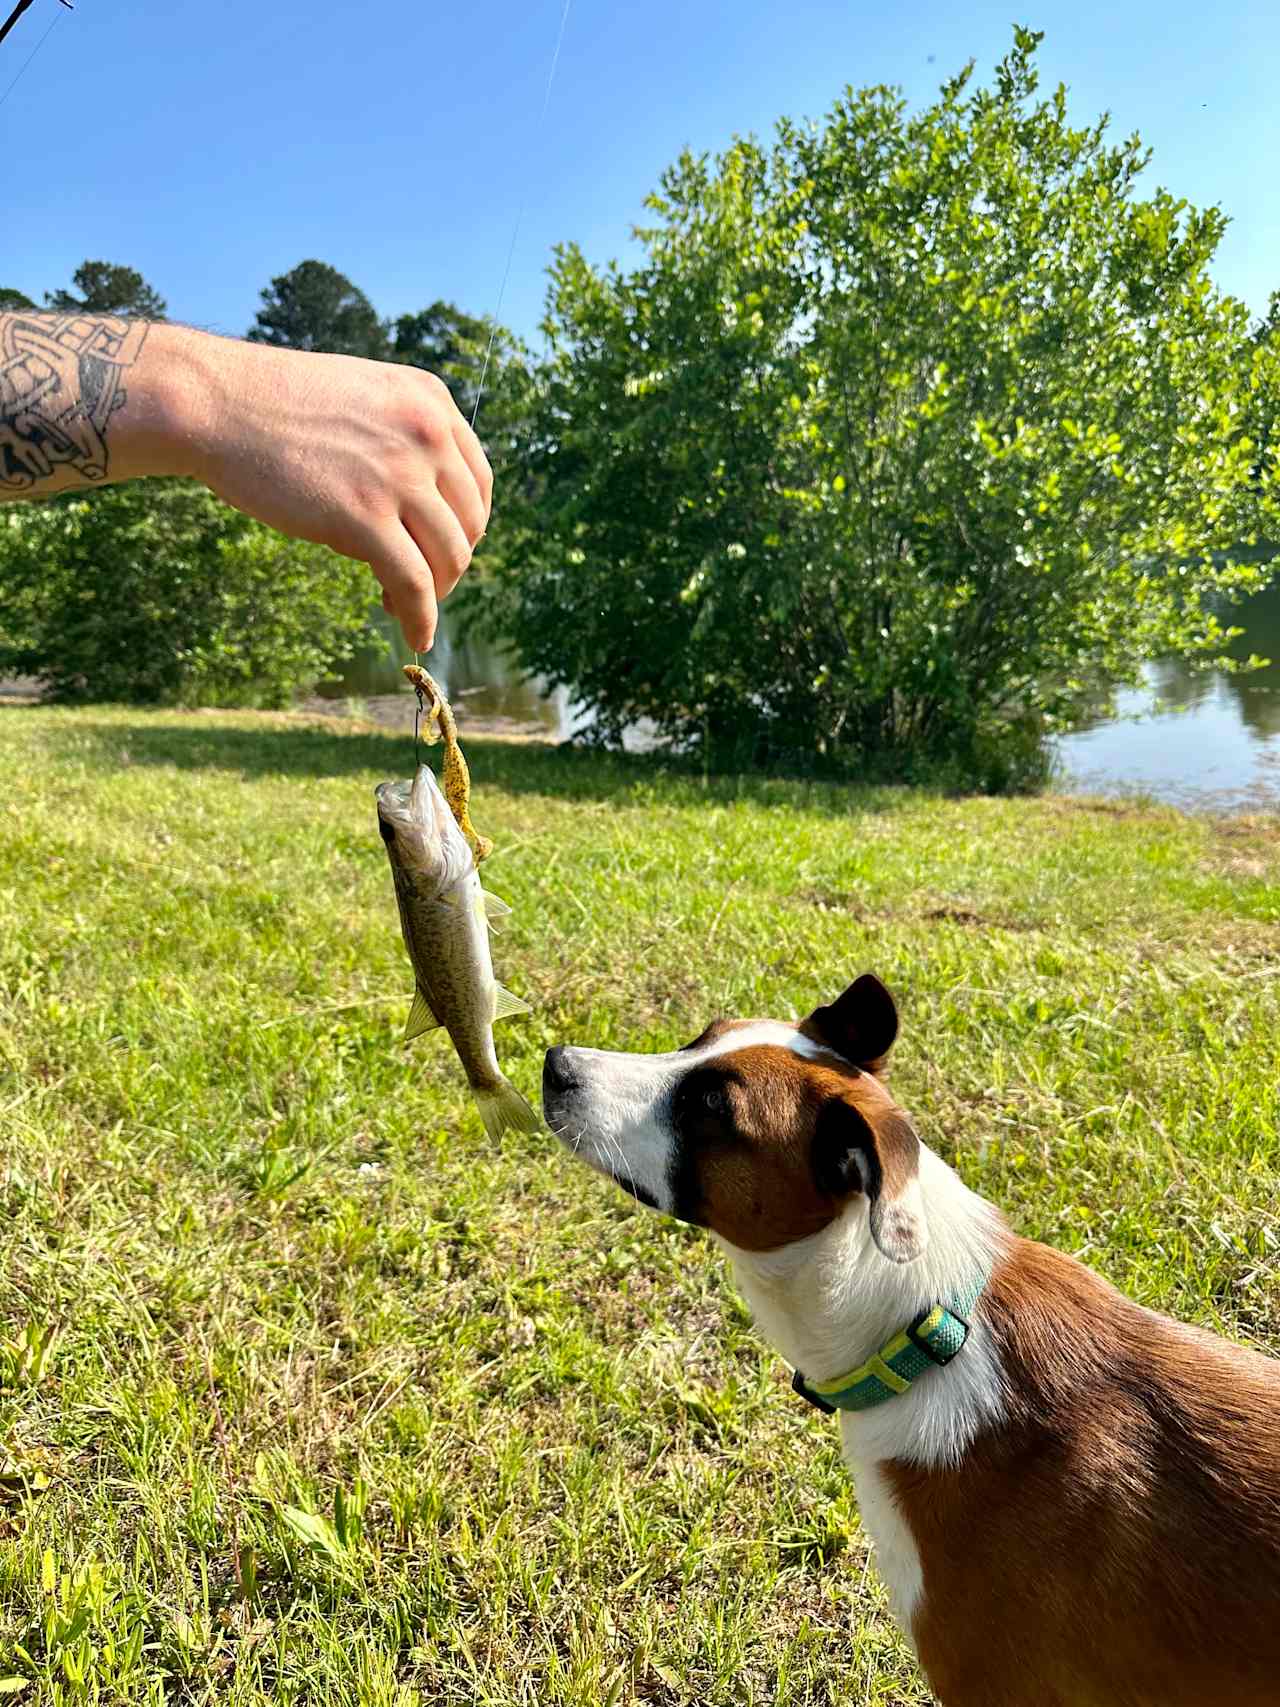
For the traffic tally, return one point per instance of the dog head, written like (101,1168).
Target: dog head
(762,1131)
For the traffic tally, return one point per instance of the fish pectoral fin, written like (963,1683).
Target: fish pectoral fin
(421,1018)
(505,1004)
(495,910)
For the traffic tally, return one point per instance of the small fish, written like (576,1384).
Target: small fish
(445,914)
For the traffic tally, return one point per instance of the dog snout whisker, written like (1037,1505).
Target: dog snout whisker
(623,1164)
(563,1132)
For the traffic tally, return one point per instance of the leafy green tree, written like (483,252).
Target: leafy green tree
(154,592)
(907,433)
(1264,417)
(11,299)
(465,350)
(315,307)
(447,342)
(105,288)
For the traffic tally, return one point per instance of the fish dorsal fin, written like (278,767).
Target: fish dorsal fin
(496,910)
(421,1018)
(505,1004)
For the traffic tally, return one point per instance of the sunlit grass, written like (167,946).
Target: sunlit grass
(309,1394)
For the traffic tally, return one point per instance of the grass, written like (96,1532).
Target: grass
(308,1394)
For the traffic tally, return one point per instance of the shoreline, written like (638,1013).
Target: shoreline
(393,713)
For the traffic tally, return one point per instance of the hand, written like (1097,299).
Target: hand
(370,458)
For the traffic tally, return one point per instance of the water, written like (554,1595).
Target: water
(1217,743)
(478,677)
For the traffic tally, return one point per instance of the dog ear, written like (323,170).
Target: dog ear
(860,1025)
(881,1158)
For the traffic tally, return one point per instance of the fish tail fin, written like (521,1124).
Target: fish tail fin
(503,1109)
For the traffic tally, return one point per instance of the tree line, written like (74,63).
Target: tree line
(311,307)
(909,434)
(155,592)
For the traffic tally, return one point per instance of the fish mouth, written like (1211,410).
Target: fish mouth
(395,814)
(413,814)
(392,794)
(407,798)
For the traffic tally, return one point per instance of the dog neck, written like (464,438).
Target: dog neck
(828,1302)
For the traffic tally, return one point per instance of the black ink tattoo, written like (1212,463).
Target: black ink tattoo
(61,380)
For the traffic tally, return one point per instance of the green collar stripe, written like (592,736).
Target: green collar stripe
(931,1340)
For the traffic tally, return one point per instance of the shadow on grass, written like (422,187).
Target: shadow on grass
(281,746)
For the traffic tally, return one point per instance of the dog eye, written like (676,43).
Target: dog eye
(713,1102)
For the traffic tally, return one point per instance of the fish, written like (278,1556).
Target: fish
(445,916)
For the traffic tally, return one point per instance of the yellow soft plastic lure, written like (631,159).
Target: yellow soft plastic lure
(456,778)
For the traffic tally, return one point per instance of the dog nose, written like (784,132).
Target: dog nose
(557,1071)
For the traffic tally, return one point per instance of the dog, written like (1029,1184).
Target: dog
(1073,1501)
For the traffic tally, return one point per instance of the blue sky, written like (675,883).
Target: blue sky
(214,145)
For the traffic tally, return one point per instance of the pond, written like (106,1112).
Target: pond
(1215,743)
(478,677)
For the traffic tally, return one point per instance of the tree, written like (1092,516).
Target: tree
(11,299)
(906,434)
(108,289)
(315,307)
(1264,417)
(154,592)
(445,341)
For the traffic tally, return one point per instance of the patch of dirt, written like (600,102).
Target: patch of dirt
(1247,847)
(1100,806)
(1242,865)
(392,711)
(1253,826)
(20,690)
(831,901)
(1246,947)
(1254,941)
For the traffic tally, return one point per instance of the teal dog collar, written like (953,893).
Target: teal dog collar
(930,1341)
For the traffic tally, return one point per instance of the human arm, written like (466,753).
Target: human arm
(370,458)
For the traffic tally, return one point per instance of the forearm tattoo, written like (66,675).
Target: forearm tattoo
(61,380)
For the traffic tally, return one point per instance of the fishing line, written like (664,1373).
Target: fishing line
(502,293)
(27,61)
(515,235)
(417,720)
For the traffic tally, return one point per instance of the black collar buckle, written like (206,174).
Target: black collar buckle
(798,1386)
(941,1358)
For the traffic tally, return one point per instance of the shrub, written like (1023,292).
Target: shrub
(156,593)
(907,435)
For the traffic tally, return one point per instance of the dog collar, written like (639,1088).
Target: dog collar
(929,1342)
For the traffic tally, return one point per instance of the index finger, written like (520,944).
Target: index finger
(408,584)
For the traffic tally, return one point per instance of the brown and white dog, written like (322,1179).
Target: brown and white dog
(1080,1506)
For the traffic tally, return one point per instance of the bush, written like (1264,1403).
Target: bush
(908,436)
(156,593)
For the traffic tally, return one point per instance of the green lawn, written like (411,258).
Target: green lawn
(309,1395)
